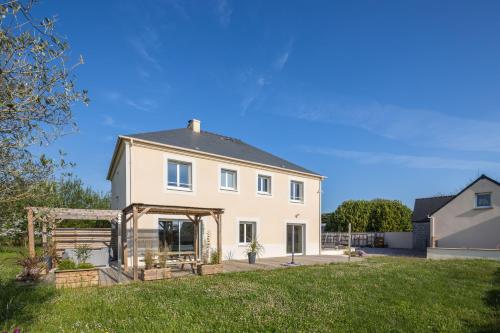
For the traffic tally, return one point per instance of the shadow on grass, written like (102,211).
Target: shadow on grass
(492,300)
(20,302)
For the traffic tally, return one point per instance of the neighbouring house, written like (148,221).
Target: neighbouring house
(469,219)
(264,197)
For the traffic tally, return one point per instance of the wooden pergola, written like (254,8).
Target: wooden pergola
(194,214)
(50,216)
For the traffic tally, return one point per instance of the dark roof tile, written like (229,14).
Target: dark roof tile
(219,145)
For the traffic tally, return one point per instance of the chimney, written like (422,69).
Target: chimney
(194,125)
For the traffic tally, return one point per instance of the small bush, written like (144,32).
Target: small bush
(66,264)
(83,253)
(32,267)
(148,259)
(85,265)
(214,258)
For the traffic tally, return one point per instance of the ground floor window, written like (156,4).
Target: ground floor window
(247,232)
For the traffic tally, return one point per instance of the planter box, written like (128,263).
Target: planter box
(75,278)
(210,269)
(155,274)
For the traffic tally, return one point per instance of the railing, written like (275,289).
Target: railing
(331,240)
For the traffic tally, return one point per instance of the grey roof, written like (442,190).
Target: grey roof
(427,206)
(217,144)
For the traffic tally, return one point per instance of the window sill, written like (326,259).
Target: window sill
(267,194)
(183,189)
(485,207)
(228,189)
(297,201)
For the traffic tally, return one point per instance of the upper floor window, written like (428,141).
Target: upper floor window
(296,191)
(228,179)
(483,200)
(179,175)
(264,184)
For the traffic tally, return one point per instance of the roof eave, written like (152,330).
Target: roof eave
(197,152)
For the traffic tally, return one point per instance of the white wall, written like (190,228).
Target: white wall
(399,240)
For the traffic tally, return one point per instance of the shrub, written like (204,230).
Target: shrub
(83,253)
(214,258)
(32,267)
(66,264)
(85,265)
(148,259)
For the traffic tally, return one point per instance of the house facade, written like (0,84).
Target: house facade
(469,219)
(264,197)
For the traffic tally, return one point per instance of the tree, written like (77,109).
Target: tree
(37,91)
(375,215)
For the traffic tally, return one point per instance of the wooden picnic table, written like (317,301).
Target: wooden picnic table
(187,258)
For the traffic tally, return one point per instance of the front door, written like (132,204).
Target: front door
(176,236)
(295,238)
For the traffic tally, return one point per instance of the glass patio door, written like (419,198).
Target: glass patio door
(295,238)
(176,236)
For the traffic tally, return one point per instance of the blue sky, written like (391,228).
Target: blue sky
(394,99)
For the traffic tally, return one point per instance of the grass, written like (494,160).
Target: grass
(377,295)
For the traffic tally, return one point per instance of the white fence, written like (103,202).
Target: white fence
(396,240)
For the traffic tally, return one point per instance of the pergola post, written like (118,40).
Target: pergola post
(119,245)
(219,237)
(135,252)
(125,241)
(31,234)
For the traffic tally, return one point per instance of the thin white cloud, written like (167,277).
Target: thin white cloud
(419,127)
(144,104)
(108,120)
(147,43)
(409,161)
(282,59)
(224,11)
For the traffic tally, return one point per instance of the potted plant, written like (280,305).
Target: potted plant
(77,274)
(214,267)
(254,249)
(150,272)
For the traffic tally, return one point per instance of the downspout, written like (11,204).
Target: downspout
(320,220)
(431,223)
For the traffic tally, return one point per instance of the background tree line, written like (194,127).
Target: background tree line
(369,215)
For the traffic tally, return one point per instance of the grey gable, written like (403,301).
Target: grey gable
(219,145)
(427,206)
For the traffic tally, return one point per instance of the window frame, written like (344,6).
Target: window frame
(236,179)
(269,185)
(476,195)
(293,199)
(246,222)
(178,163)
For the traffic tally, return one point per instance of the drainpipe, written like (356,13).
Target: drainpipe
(320,220)
(431,222)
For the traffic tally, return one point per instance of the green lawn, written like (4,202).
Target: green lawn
(378,295)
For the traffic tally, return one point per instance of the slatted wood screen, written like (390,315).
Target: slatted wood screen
(71,238)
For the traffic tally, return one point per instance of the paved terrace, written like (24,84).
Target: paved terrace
(278,262)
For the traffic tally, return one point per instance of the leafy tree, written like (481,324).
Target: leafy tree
(37,91)
(375,215)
